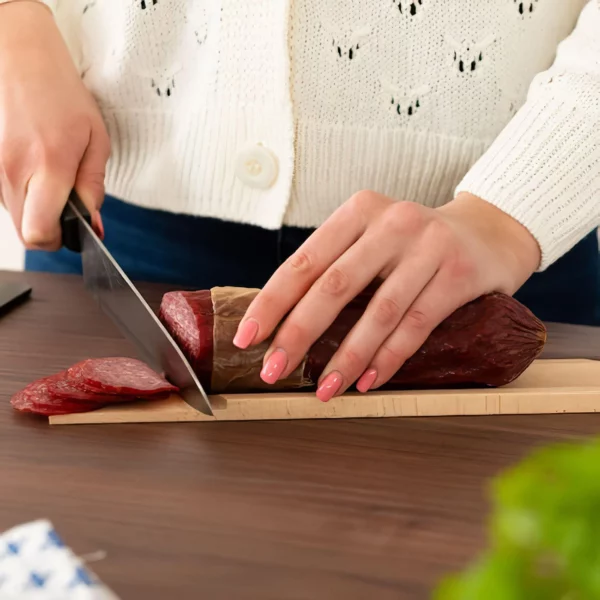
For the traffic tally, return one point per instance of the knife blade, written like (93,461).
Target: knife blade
(122,302)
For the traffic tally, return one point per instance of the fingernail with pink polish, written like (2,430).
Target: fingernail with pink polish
(365,383)
(274,367)
(329,387)
(99,225)
(245,334)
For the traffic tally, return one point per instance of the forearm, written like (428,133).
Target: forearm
(49,4)
(21,21)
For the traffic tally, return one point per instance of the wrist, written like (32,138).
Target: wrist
(6,3)
(27,13)
(510,241)
(27,29)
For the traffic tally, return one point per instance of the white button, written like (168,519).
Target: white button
(256,166)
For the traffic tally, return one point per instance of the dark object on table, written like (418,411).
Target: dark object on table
(12,294)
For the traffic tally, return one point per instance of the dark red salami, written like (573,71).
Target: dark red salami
(487,342)
(189,318)
(92,384)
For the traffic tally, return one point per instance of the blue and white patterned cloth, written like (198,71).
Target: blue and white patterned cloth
(36,565)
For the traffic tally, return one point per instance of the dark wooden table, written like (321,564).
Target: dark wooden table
(374,509)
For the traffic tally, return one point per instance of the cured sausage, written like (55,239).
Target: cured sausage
(188,316)
(92,384)
(488,342)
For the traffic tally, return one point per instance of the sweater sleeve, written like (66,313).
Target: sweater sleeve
(51,4)
(544,168)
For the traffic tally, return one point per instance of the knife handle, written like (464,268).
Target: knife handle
(69,222)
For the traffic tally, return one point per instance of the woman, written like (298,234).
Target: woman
(238,128)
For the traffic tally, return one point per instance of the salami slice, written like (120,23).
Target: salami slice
(118,376)
(37,398)
(61,387)
(90,385)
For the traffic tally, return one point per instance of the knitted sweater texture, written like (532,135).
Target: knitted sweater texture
(275,112)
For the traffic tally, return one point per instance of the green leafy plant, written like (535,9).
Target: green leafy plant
(544,531)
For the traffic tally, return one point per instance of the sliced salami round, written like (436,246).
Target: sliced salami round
(117,376)
(92,384)
(61,387)
(37,398)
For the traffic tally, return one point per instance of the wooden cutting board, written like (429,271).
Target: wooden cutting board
(548,386)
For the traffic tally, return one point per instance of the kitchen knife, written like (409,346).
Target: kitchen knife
(122,302)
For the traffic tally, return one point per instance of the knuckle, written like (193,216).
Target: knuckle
(417,320)
(404,218)
(62,143)
(95,179)
(78,126)
(361,199)
(265,304)
(301,262)
(386,312)
(48,153)
(335,282)
(291,335)
(92,185)
(40,237)
(351,362)
(389,359)
(439,233)
(364,203)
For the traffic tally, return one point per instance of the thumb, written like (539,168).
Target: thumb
(45,200)
(89,182)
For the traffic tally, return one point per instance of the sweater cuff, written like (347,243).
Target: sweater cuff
(51,4)
(544,170)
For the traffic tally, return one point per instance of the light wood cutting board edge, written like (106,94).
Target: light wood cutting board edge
(548,386)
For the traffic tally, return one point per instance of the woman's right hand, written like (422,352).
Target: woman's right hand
(52,138)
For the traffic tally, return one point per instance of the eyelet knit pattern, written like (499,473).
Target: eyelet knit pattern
(416,99)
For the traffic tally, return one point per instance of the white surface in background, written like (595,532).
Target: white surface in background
(11,252)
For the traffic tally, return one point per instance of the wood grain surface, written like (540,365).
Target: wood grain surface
(356,509)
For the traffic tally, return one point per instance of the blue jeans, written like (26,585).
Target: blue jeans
(200,253)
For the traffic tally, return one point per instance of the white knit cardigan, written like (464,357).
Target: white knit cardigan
(275,112)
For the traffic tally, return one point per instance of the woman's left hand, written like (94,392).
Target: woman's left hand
(432,261)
